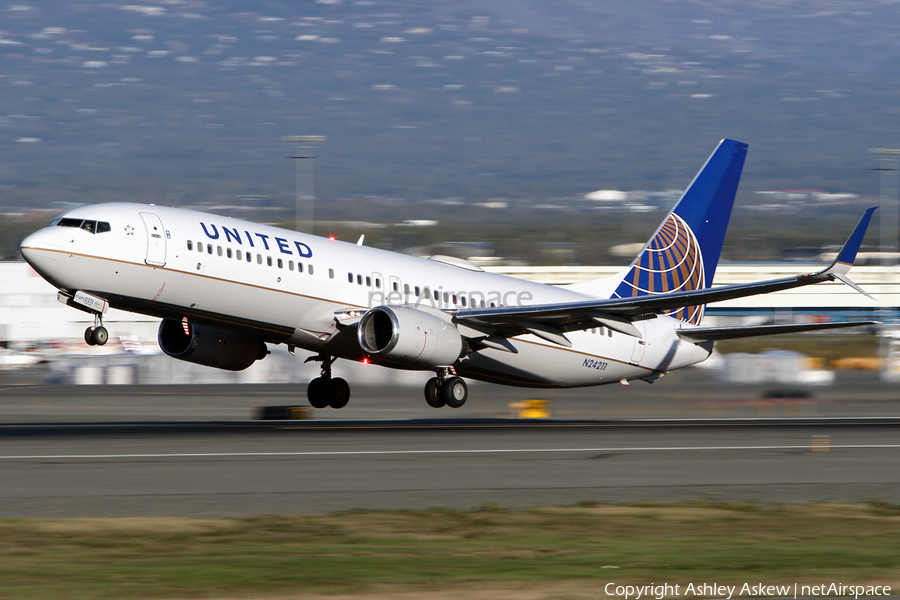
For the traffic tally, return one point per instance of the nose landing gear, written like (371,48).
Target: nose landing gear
(94,305)
(446,390)
(96,335)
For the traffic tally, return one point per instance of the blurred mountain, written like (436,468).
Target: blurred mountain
(185,102)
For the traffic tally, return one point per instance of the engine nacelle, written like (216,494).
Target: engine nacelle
(410,334)
(210,346)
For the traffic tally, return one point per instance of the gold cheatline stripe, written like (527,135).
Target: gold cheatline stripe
(200,275)
(580,353)
(113,260)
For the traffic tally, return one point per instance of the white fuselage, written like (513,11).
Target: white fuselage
(286,287)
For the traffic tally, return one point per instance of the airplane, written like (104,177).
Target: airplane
(226,288)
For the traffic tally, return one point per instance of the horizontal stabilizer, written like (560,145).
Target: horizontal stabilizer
(714,334)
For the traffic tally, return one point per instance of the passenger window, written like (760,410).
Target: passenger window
(228,252)
(280,264)
(259,259)
(219,250)
(437,295)
(299,267)
(239,255)
(310,269)
(290,265)
(406,289)
(330,273)
(446,297)
(209,248)
(249,257)
(199,246)
(269,260)
(463,300)
(454,298)
(378,283)
(350,277)
(417,291)
(190,245)
(368,282)
(103,227)
(359,279)
(396,286)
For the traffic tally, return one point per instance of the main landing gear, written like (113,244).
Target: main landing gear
(327,390)
(446,390)
(96,335)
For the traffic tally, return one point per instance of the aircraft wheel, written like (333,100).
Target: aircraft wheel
(454,392)
(316,393)
(100,335)
(89,336)
(433,393)
(338,393)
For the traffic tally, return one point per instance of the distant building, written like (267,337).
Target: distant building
(607,196)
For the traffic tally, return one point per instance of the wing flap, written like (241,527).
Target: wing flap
(619,324)
(550,334)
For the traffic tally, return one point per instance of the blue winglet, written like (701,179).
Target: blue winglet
(848,252)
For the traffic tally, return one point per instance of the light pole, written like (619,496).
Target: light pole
(888,162)
(304,190)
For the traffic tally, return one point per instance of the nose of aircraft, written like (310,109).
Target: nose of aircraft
(40,250)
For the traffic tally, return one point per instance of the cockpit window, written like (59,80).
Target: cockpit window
(86,224)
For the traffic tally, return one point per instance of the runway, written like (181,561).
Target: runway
(693,393)
(235,470)
(196,451)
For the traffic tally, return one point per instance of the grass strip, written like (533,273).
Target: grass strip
(359,552)
(825,346)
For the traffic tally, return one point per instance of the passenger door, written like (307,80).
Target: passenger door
(156,240)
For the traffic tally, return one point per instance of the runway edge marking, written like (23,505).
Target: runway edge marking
(433,452)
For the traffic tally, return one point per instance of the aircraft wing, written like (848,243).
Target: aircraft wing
(550,321)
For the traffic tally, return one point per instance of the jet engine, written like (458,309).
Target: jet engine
(410,334)
(209,346)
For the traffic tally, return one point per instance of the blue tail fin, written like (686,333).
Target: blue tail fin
(683,253)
